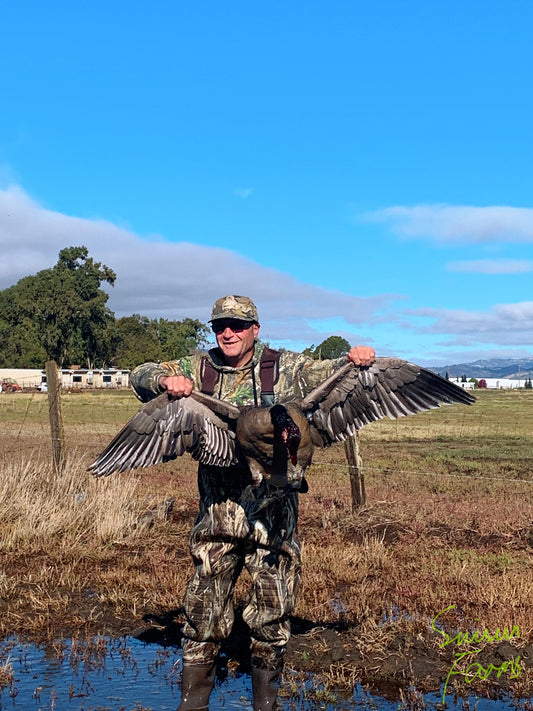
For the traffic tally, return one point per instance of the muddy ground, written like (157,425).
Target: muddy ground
(330,650)
(447,536)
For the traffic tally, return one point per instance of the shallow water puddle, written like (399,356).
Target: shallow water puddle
(105,674)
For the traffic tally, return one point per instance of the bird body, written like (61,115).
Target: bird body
(276,442)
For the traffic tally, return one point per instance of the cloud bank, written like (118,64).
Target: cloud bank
(491,266)
(464,224)
(157,278)
(502,324)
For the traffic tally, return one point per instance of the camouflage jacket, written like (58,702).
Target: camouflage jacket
(298,375)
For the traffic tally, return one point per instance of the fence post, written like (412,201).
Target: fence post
(355,467)
(54,410)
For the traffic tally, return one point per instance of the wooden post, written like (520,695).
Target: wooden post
(56,421)
(355,467)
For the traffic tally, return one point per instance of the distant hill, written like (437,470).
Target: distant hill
(513,368)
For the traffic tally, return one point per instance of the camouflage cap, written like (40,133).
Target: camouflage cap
(233,306)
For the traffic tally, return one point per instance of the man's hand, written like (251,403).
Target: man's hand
(362,355)
(176,385)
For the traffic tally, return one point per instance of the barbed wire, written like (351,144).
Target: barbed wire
(17,434)
(364,468)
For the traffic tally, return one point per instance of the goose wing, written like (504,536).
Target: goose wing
(355,396)
(165,428)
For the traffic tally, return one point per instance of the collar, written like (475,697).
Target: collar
(216,357)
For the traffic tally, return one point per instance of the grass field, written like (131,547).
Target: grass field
(448,525)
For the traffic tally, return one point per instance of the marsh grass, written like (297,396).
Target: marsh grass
(449,522)
(38,508)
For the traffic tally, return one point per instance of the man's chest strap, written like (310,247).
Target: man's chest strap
(268,375)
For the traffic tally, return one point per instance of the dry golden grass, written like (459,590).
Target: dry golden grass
(449,521)
(38,508)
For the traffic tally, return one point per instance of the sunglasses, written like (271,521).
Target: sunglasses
(233,324)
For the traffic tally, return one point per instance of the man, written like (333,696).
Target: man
(242,522)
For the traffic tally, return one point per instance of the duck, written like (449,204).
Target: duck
(277,442)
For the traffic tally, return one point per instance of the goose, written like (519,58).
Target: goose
(276,442)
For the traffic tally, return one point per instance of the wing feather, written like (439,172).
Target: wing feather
(353,396)
(166,428)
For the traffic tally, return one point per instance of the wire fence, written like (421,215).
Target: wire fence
(417,472)
(498,430)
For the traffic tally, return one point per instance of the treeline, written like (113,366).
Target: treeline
(61,314)
(332,347)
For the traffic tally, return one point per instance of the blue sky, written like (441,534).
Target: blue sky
(357,168)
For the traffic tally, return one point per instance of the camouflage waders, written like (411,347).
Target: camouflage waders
(240,526)
(256,532)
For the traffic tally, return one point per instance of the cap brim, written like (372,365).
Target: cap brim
(233,317)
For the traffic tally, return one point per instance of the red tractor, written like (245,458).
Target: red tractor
(8,385)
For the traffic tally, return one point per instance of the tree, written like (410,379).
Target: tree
(138,341)
(59,313)
(142,339)
(79,326)
(180,338)
(332,347)
(19,344)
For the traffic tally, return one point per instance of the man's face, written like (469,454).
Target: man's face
(236,339)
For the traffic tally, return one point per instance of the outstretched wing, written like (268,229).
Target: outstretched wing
(355,396)
(165,428)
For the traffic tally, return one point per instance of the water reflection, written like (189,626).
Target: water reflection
(104,674)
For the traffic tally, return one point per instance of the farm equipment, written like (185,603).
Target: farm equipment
(8,385)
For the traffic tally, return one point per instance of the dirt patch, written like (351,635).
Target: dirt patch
(333,653)
(129,587)
(441,528)
(338,654)
(407,661)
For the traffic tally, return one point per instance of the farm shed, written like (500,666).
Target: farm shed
(94,378)
(70,377)
(505,383)
(466,386)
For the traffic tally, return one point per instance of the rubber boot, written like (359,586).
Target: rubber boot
(265,685)
(197,682)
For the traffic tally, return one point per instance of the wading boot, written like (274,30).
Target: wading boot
(197,682)
(265,685)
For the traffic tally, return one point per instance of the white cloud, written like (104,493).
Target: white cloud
(503,324)
(243,192)
(465,224)
(158,278)
(491,266)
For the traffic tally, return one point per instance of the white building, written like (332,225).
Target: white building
(505,383)
(85,378)
(466,386)
(492,383)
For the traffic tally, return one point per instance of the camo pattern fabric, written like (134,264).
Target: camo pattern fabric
(240,525)
(236,307)
(226,539)
(298,375)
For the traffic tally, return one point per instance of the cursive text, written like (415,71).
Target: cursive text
(475,670)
